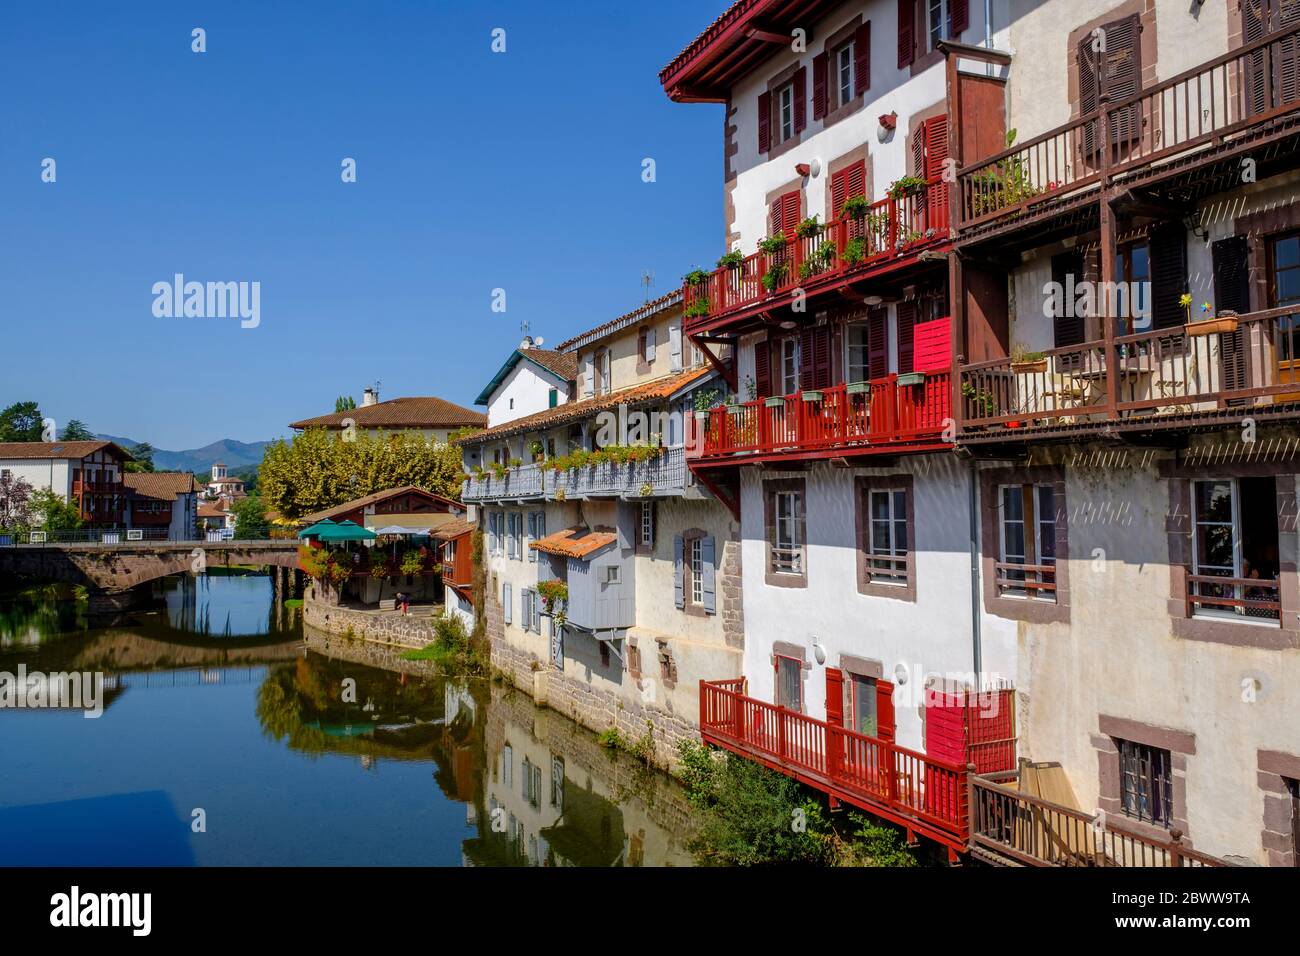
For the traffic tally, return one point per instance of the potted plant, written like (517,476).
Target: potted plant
(905,186)
(1024,362)
(774,276)
(808,228)
(1225,322)
(733,405)
(855,207)
(732,260)
(981,399)
(772,245)
(696,277)
(537,449)
(698,308)
(855,251)
(705,399)
(516,463)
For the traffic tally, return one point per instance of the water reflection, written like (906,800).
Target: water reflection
(300,757)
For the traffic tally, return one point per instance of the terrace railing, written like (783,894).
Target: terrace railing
(1232,361)
(664,474)
(877,412)
(888,228)
(1196,110)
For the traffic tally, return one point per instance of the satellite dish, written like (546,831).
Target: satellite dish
(539,341)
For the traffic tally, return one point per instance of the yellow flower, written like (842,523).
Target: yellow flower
(1185,300)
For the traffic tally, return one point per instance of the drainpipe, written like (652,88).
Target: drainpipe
(976,650)
(988,33)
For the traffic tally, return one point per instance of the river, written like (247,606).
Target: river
(230,737)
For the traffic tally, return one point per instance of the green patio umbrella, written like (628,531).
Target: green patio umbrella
(346,531)
(317,528)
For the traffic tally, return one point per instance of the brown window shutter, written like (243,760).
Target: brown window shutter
(762,369)
(1253,27)
(1089,94)
(1232,292)
(958,18)
(1122,77)
(834,697)
(906,39)
(820,62)
(936,154)
(906,312)
(1068,326)
(885,710)
(1168,275)
(862,59)
(821,357)
(877,342)
(764,122)
(918,149)
(801,99)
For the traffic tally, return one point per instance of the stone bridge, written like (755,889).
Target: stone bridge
(111,572)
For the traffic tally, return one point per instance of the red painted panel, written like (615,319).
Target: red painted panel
(932,344)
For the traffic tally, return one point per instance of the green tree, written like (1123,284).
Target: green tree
(76,430)
(15,502)
(21,421)
(52,513)
(143,455)
(320,469)
(344,403)
(250,519)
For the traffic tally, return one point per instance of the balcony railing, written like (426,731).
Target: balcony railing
(923,794)
(1197,110)
(867,413)
(1026,829)
(664,475)
(1183,371)
(889,228)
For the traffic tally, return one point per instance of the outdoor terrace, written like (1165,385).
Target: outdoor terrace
(665,474)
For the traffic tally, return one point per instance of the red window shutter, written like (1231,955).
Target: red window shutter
(834,697)
(905,37)
(800,99)
(815,355)
(839,183)
(762,369)
(785,215)
(862,59)
(764,122)
(885,710)
(877,343)
(936,154)
(906,328)
(958,18)
(820,62)
(847,183)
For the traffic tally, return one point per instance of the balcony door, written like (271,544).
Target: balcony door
(1284,291)
(866,346)
(1272,80)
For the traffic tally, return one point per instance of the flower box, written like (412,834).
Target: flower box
(735,409)
(858,388)
(777,402)
(813,396)
(1211,326)
(1026,368)
(911,378)
(701,416)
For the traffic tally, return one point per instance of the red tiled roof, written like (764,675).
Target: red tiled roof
(660,388)
(563,364)
(628,318)
(58,449)
(165,485)
(378,496)
(453,529)
(417,412)
(574,542)
(210,509)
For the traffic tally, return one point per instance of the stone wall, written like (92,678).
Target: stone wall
(386,628)
(361,651)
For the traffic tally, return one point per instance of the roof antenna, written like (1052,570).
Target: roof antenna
(526,341)
(648,281)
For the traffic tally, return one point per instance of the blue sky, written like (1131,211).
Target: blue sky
(475,171)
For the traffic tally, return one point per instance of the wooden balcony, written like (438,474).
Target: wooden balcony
(843,419)
(1208,114)
(1170,377)
(1008,826)
(890,231)
(926,796)
(665,475)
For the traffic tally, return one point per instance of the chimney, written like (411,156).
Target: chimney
(370,397)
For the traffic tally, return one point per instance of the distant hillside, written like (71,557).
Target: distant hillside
(234,453)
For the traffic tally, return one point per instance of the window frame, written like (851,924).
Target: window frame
(900,585)
(991,544)
(783,101)
(1143,766)
(838,57)
(1029,495)
(694,567)
(778,659)
(646,528)
(943,26)
(789,353)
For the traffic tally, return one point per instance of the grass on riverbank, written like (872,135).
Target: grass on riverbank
(748,815)
(293,603)
(452,650)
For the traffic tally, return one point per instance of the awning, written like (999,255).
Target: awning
(346,531)
(315,530)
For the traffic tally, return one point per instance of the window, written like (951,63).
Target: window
(1133,271)
(613,574)
(789,682)
(787,552)
(557,783)
(938,21)
(1145,782)
(645,346)
(696,566)
(1234,549)
(856,363)
(526,601)
(862,704)
(1284,290)
(785,112)
(536,530)
(887,547)
(553,398)
(844,73)
(646,525)
(789,368)
(1027,566)
(603,382)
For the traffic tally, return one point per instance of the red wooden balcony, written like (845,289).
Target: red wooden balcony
(888,230)
(1169,376)
(843,418)
(925,795)
(1188,120)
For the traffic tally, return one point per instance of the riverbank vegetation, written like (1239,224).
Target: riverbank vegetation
(748,815)
(452,650)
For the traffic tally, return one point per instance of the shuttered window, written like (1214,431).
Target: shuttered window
(799,90)
(906,36)
(878,342)
(929,153)
(1116,72)
(764,122)
(1258,19)
(906,316)
(1231,294)
(862,59)
(815,352)
(1168,276)
(1067,323)
(820,85)
(847,183)
(783,214)
(762,369)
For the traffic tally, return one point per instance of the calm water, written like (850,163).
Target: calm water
(218,703)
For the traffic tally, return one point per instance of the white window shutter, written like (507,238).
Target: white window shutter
(507,596)
(675,348)
(707,575)
(650,349)
(588,375)
(679,582)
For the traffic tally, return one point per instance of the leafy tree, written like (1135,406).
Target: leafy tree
(320,469)
(15,502)
(52,513)
(21,421)
(344,403)
(143,455)
(250,519)
(76,430)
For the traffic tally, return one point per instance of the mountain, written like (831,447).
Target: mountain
(235,454)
